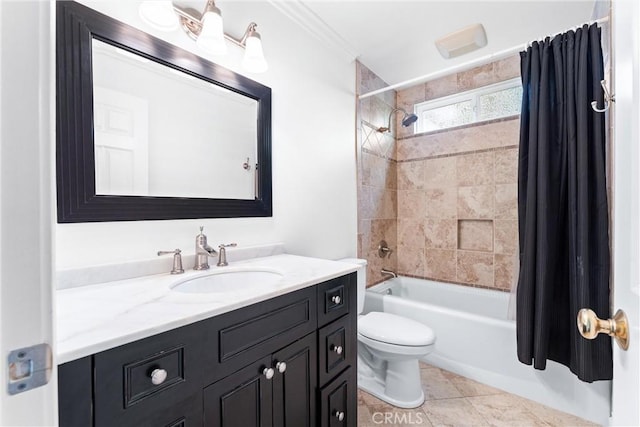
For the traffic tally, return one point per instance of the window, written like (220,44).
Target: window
(478,105)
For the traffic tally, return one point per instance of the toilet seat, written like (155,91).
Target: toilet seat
(394,330)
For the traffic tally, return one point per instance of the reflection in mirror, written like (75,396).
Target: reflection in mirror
(158,131)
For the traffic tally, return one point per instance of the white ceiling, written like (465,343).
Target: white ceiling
(395,39)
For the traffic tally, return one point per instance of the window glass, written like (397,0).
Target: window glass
(448,116)
(501,103)
(485,103)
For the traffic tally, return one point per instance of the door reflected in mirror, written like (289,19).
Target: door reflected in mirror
(158,131)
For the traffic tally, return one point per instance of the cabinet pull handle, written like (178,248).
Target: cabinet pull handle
(337,348)
(158,376)
(268,373)
(336,299)
(339,415)
(281,367)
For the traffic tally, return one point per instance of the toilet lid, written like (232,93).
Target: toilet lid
(392,329)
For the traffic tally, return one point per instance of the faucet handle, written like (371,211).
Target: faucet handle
(222,256)
(177,260)
(228,245)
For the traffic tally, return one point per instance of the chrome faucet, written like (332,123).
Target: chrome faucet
(388,273)
(203,252)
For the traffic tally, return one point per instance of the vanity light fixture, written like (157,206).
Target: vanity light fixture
(207,30)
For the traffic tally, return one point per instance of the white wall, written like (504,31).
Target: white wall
(314,167)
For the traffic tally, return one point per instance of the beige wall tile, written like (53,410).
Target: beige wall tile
(476,202)
(476,77)
(375,264)
(506,236)
(505,273)
(365,202)
(385,203)
(440,173)
(443,86)
(411,204)
(383,229)
(475,169)
(475,268)
(440,264)
(411,175)
(441,203)
(480,137)
(475,235)
(506,199)
(411,232)
(407,98)
(391,175)
(440,233)
(507,68)
(411,260)
(507,166)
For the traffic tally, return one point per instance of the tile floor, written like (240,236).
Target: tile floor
(452,400)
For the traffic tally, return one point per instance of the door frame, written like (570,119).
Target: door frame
(625,116)
(27,191)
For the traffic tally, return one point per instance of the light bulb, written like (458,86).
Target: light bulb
(211,37)
(253,60)
(159,14)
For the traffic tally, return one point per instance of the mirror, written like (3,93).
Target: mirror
(199,129)
(147,130)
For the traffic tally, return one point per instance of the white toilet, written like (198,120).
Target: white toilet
(389,347)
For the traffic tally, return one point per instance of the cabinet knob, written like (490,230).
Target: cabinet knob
(337,349)
(268,373)
(158,376)
(336,299)
(339,415)
(281,367)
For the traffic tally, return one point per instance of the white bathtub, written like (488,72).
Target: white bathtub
(475,339)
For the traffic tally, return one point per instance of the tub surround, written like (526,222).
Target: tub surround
(95,318)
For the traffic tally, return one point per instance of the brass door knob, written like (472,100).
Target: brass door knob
(590,326)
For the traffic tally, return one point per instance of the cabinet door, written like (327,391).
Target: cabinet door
(338,401)
(294,389)
(243,399)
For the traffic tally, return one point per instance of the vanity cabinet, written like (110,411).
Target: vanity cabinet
(287,361)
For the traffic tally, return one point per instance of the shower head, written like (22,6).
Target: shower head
(407,120)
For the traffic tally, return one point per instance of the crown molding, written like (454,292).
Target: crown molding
(308,20)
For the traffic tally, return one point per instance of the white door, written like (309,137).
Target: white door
(121,140)
(27,193)
(626,198)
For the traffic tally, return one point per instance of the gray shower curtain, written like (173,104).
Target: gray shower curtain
(562,205)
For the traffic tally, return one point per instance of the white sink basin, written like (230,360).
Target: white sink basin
(228,281)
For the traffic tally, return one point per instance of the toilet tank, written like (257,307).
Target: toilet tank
(362,279)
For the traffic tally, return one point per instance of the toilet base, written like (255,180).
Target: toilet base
(402,387)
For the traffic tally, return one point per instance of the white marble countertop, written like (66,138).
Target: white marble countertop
(98,317)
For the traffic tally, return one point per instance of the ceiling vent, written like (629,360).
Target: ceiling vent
(462,41)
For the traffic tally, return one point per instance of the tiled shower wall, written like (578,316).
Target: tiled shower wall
(377,183)
(457,190)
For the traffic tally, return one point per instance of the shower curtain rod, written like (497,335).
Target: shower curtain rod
(470,64)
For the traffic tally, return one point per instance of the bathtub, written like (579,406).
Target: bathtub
(475,339)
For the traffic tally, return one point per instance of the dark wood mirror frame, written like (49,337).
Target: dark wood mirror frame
(77,26)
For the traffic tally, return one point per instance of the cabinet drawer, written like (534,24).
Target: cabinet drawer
(336,349)
(243,336)
(126,389)
(338,401)
(334,298)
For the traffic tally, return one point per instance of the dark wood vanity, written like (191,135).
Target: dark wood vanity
(286,361)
